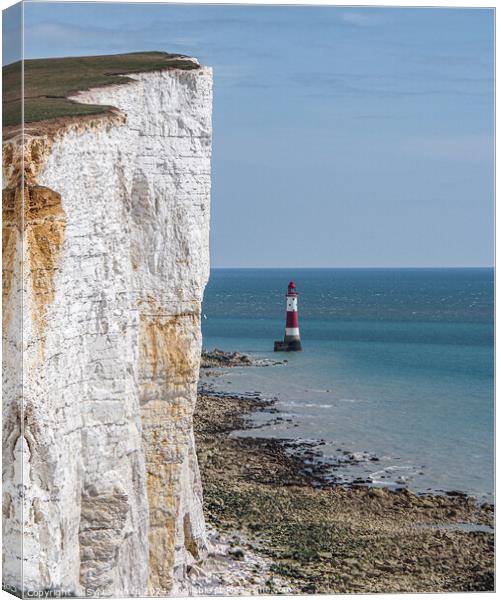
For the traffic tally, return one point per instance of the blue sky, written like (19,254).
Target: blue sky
(351,137)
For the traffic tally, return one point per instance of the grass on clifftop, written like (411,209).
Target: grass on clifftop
(49,81)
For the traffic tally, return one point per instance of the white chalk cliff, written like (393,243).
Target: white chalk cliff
(104,272)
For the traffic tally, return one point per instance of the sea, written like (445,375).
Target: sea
(396,376)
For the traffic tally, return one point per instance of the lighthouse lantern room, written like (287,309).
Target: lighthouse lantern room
(292,339)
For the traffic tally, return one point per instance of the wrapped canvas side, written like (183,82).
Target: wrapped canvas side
(13,443)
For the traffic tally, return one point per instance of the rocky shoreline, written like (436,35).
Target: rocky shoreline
(221,358)
(277,502)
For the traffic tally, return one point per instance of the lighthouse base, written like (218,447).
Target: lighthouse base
(289,346)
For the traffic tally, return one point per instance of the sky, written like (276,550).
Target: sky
(342,137)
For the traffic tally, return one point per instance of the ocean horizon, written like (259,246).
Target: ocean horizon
(397,368)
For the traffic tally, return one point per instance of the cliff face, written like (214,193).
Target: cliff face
(114,247)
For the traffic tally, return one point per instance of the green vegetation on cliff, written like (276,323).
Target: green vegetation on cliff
(49,81)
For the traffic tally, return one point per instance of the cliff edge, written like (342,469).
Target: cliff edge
(105,259)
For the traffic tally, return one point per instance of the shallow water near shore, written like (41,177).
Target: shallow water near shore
(396,374)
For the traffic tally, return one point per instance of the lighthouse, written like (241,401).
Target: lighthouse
(292,340)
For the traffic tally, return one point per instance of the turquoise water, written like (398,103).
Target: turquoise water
(396,364)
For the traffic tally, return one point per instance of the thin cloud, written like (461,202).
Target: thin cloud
(376,117)
(458,148)
(55,38)
(388,86)
(363,19)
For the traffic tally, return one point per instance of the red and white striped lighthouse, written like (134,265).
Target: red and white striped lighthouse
(292,339)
